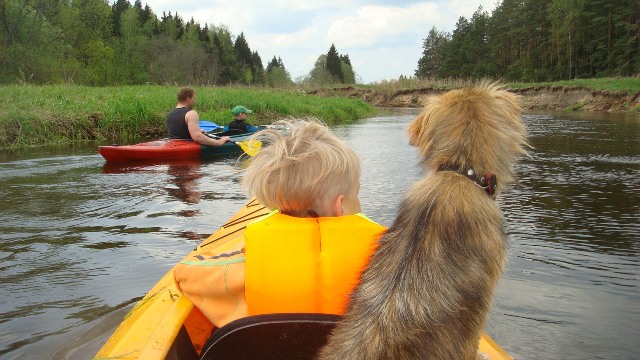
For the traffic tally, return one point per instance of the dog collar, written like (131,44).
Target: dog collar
(487,182)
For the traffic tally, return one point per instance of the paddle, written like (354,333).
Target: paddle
(250,147)
(208,126)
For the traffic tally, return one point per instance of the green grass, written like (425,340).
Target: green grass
(35,115)
(629,86)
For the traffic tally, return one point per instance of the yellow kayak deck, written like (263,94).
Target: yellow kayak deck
(149,330)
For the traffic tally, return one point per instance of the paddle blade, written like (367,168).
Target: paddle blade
(208,126)
(250,147)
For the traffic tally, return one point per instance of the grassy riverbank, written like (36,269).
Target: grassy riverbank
(35,115)
(628,85)
(603,94)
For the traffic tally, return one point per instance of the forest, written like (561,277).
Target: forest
(117,43)
(537,41)
(95,43)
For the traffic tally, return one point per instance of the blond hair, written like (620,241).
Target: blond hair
(302,166)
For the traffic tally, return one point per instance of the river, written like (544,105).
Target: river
(81,242)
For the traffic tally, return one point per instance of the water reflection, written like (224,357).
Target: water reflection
(184,176)
(182,179)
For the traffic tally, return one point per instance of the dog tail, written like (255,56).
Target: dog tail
(417,287)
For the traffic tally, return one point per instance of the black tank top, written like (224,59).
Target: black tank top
(177,125)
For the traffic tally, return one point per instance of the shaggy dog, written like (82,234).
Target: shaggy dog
(427,290)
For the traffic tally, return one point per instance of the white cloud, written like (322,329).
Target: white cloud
(467,8)
(305,6)
(373,23)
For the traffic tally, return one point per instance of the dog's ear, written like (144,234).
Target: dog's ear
(417,127)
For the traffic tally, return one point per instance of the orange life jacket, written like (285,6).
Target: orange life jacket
(306,264)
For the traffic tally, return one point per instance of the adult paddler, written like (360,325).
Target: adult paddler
(184,123)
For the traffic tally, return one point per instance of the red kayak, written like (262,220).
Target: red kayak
(169,149)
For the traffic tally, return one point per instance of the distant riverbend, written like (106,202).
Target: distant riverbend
(553,98)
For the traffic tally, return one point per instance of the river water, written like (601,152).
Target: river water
(81,242)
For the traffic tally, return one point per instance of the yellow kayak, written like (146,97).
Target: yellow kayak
(166,325)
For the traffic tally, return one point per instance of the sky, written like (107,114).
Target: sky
(383,38)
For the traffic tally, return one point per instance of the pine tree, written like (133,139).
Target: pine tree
(277,75)
(333,64)
(453,54)
(272,64)
(564,16)
(622,29)
(536,40)
(281,63)
(257,70)
(243,52)
(345,59)
(146,15)
(477,46)
(432,54)
(117,9)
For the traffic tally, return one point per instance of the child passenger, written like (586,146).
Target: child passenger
(308,253)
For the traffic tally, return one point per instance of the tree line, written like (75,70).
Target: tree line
(538,40)
(92,42)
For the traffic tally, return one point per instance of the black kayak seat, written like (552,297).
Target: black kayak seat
(270,337)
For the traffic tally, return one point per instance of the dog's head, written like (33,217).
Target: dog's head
(479,126)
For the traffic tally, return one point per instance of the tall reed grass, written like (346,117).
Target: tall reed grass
(390,87)
(35,115)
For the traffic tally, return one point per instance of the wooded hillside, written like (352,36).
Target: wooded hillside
(538,40)
(95,42)
(91,42)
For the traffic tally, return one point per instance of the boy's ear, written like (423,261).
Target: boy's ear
(337,205)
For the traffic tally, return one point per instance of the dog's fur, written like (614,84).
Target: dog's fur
(427,291)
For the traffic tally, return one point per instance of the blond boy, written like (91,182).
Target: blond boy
(301,257)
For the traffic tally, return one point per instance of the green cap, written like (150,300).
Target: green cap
(240,109)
